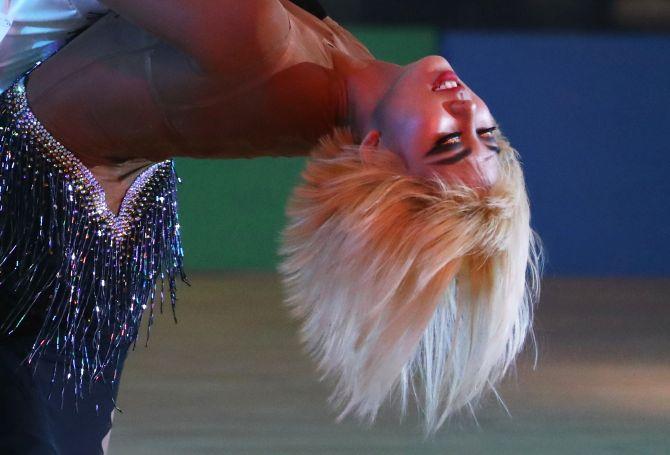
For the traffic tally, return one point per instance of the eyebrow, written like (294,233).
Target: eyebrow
(454,159)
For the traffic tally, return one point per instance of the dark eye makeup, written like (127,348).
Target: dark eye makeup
(452,142)
(455,158)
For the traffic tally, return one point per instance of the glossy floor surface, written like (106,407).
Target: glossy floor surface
(230,378)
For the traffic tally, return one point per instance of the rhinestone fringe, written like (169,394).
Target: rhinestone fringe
(65,258)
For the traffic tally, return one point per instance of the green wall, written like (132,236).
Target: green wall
(232,211)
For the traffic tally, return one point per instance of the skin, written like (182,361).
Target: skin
(387,105)
(246,85)
(395,107)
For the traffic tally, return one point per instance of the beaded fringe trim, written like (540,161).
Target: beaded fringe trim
(66,258)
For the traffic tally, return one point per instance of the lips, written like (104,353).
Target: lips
(446,80)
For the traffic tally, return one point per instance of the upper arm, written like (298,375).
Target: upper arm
(219,34)
(249,34)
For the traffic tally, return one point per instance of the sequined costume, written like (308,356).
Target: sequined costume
(75,278)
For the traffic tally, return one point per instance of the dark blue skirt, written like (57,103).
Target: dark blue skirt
(39,413)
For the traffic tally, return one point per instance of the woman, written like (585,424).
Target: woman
(408,243)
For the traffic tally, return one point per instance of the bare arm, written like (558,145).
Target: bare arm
(215,32)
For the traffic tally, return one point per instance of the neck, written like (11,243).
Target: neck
(364,83)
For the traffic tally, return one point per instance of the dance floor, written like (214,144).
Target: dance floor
(230,378)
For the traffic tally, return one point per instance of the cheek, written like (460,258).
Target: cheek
(410,120)
(410,132)
(399,130)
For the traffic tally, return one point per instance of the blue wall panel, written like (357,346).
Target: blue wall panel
(590,115)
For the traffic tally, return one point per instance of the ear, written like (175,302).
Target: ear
(368,145)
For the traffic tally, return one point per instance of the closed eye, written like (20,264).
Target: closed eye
(487,133)
(452,141)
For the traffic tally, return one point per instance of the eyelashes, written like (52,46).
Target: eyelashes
(455,138)
(487,132)
(452,143)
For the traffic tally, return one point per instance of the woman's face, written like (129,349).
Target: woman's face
(438,125)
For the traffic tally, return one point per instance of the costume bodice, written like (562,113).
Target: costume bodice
(74,275)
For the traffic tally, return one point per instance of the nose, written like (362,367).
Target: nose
(481,159)
(462,109)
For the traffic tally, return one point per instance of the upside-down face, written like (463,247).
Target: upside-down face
(438,125)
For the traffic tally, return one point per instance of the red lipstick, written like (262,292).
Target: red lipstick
(445,76)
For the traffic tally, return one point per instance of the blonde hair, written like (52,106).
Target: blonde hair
(406,282)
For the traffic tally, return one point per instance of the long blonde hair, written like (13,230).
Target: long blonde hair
(407,283)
